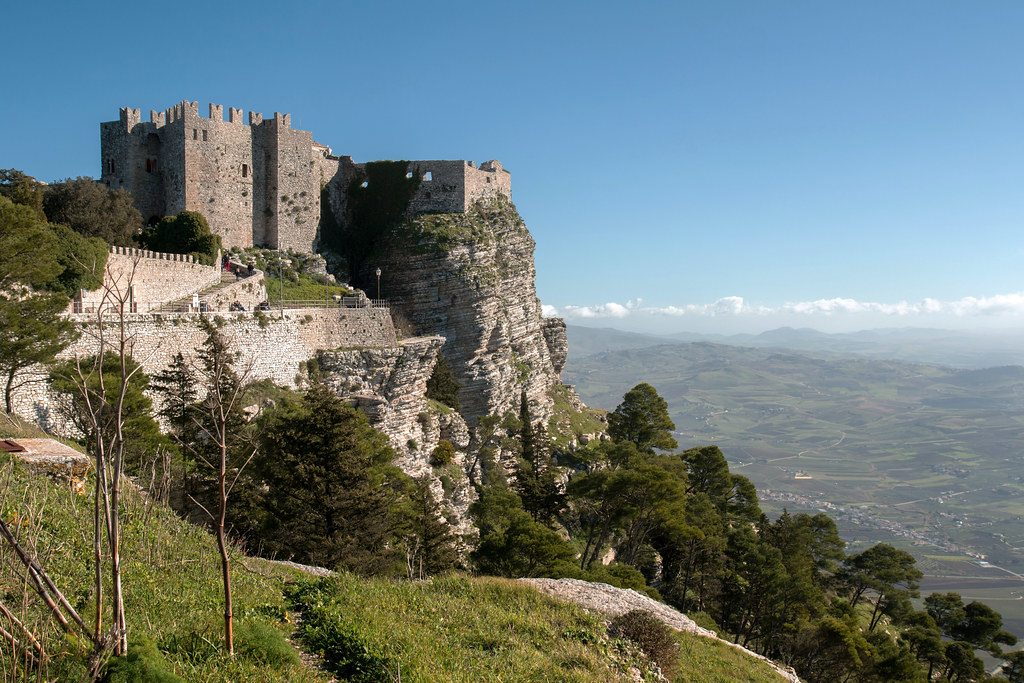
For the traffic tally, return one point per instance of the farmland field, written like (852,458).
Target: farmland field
(926,457)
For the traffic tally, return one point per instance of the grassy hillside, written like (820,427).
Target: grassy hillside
(447,629)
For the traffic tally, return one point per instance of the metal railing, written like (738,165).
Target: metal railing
(141,307)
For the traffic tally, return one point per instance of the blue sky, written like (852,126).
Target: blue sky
(712,166)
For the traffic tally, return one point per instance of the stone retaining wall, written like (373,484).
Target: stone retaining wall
(155,277)
(269,346)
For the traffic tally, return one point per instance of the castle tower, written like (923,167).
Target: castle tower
(255,183)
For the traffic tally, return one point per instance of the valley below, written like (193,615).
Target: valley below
(924,457)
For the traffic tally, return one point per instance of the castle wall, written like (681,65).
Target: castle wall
(259,184)
(453,186)
(156,278)
(218,171)
(270,347)
(246,291)
(234,174)
(295,196)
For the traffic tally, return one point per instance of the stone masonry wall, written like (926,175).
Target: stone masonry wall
(232,173)
(246,291)
(157,278)
(269,346)
(218,172)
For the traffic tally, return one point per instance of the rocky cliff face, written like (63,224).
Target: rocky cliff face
(470,278)
(389,384)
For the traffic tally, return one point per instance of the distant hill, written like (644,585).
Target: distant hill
(586,341)
(952,348)
(922,455)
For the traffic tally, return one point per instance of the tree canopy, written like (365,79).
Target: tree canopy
(91,209)
(186,233)
(643,419)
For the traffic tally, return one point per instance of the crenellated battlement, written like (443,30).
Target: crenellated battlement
(132,252)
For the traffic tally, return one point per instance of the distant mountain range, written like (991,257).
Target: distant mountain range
(951,348)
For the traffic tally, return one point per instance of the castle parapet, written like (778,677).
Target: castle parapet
(130,117)
(132,252)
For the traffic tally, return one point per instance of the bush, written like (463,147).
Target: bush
(443,454)
(266,644)
(144,664)
(652,636)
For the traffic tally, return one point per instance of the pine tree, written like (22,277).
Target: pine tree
(535,476)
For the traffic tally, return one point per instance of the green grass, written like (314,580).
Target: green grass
(451,628)
(171,578)
(710,661)
(305,289)
(568,423)
(455,628)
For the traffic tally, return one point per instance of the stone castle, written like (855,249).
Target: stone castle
(261,183)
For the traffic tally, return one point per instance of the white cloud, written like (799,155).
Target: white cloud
(608,310)
(1000,305)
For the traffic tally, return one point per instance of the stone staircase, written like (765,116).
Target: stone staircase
(184,304)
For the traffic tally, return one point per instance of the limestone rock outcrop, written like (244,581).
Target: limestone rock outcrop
(469,277)
(389,384)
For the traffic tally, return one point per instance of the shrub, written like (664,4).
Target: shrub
(266,644)
(652,636)
(443,454)
(144,664)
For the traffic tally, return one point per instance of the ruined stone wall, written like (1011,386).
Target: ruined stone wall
(133,158)
(155,277)
(486,182)
(271,347)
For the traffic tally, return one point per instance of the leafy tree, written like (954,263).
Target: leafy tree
(1013,670)
(177,385)
(962,664)
(975,623)
(442,386)
(523,547)
(81,261)
(32,331)
(186,233)
(22,189)
(642,418)
(103,381)
(330,490)
(924,639)
(26,247)
(89,208)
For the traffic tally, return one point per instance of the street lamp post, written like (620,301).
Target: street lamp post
(280,276)
(378,284)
